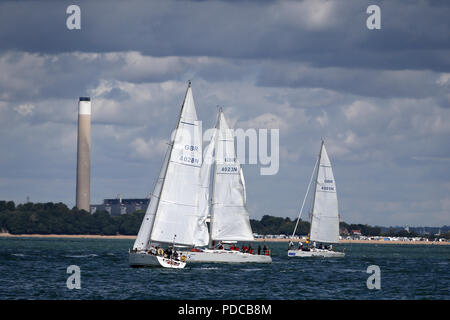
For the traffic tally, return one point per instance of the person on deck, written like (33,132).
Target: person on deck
(169,252)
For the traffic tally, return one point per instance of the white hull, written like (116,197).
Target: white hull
(225,256)
(315,253)
(137,259)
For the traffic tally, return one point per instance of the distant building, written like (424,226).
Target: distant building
(356,234)
(119,206)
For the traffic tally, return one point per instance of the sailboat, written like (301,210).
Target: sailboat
(324,227)
(173,215)
(228,215)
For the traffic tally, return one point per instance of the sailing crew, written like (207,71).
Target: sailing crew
(300,245)
(169,252)
(291,244)
(259,250)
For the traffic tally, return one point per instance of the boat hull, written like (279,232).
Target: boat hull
(225,256)
(136,259)
(315,253)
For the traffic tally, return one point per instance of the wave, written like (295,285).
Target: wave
(18,254)
(82,255)
(252,269)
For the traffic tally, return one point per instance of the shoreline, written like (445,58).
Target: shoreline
(97,236)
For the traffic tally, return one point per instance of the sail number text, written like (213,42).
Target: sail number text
(229,169)
(327,188)
(191,160)
(190,148)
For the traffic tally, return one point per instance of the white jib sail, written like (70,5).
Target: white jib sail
(229,215)
(178,211)
(325,216)
(142,241)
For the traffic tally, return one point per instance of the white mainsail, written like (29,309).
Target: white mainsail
(229,215)
(325,216)
(173,213)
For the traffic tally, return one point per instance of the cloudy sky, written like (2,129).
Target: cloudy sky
(312,69)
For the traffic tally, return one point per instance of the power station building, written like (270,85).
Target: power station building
(119,206)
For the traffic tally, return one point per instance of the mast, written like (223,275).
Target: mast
(211,217)
(315,187)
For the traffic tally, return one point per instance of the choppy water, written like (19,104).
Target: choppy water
(33,268)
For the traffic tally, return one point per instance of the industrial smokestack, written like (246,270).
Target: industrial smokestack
(84,154)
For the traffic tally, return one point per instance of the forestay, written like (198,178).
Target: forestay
(142,241)
(325,216)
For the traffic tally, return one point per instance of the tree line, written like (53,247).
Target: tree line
(57,218)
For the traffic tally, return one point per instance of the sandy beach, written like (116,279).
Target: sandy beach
(79,236)
(363,241)
(94,236)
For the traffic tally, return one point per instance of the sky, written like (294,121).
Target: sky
(312,69)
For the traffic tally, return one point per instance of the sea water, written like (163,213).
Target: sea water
(36,268)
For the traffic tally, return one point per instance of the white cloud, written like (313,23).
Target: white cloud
(444,79)
(360,111)
(148,149)
(24,109)
(322,119)
(308,14)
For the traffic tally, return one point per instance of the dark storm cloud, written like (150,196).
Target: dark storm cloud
(414,34)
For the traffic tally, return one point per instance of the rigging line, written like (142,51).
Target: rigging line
(304,199)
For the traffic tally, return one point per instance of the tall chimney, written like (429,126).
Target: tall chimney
(84,154)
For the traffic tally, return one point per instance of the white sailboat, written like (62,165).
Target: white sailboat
(173,215)
(325,217)
(229,219)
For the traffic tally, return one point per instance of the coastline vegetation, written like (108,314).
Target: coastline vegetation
(57,218)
